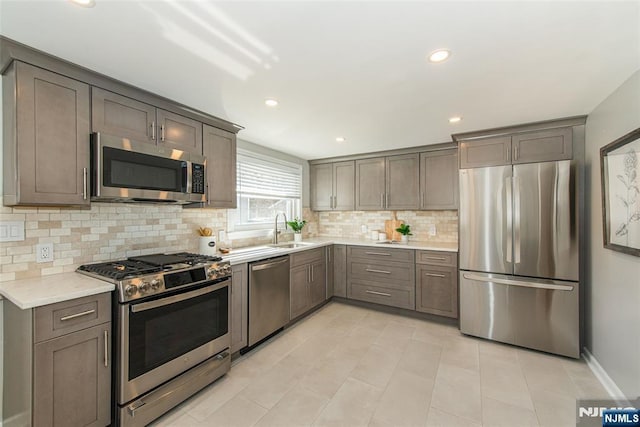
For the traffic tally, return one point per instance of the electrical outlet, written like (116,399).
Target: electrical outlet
(44,252)
(364,229)
(432,229)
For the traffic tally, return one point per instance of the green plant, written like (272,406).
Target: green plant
(297,224)
(404,229)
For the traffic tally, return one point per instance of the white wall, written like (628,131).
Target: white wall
(612,312)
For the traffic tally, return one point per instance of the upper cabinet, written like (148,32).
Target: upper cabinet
(125,117)
(333,186)
(526,147)
(439,180)
(388,182)
(219,147)
(46,138)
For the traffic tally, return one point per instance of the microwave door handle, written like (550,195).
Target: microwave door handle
(189,176)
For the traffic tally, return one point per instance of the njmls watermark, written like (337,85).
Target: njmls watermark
(607,413)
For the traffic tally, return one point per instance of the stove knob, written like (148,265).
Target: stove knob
(144,287)
(226,270)
(213,272)
(130,290)
(155,284)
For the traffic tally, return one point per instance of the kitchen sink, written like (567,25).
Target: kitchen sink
(290,245)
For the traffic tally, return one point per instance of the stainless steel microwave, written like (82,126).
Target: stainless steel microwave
(124,170)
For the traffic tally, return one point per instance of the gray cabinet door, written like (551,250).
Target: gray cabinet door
(219,147)
(437,290)
(494,151)
(317,284)
(72,379)
(47,153)
(239,307)
(329,271)
(344,186)
(322,187)
(402,181)
(370,184)
(299,282)
(439,180)
(176,131)
(121,116)
(340,270)
(543,146)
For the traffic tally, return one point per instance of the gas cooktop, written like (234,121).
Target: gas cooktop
(146,275)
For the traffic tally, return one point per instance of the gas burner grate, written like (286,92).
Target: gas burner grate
(119,270)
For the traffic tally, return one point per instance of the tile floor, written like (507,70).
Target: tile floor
(352,366)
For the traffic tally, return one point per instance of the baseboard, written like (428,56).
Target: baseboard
(604,378)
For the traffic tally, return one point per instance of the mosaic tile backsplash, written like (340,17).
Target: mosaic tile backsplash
(109,231)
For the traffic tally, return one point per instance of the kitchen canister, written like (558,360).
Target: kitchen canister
(207,245)
(382,236)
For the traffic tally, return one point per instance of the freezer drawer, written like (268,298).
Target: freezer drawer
(537,314)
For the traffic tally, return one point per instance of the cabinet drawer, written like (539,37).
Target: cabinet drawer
(402,298)
(381,254)
(398,273)
(437,258)
(62,318)
(307,257)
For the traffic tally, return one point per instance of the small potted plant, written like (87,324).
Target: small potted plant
(405,230)
(297,225)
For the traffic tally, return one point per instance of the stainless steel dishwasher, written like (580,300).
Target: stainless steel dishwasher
(268,297)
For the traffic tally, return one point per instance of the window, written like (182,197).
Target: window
(266,186)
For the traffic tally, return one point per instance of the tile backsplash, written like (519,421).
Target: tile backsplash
(349,224)
(108,231)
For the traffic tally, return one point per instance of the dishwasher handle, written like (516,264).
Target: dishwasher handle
(258,267)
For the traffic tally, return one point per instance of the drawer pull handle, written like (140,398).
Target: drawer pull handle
(370,270)
(439,258)
(434,274)
(378,293)
(378,253)
(73,316)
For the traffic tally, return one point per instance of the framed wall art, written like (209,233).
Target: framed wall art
(620,175)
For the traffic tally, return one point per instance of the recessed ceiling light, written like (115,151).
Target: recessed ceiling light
(340,139)
(455,119)
(84,3)
(439,55)
(270,102)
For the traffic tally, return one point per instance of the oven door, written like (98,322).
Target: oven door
(164,337)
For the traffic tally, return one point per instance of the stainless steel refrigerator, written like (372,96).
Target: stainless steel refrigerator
(519,255)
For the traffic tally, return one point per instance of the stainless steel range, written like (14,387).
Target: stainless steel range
(172,316)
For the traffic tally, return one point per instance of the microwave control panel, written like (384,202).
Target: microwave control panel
(197,178)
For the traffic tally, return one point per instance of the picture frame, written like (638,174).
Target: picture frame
(620,177)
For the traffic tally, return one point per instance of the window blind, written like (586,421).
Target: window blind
(270,178)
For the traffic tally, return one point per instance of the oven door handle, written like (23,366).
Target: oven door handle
(143,306)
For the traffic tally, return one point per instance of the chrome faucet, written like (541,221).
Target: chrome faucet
(275,230)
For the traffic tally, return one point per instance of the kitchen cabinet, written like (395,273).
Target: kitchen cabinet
(125,117)
(60,362)
(46,138)
(526,147)
(340,270)
(333,186)
(329,271)
(437,283)
(381,275)
(439,180)
(307,280)
(239,306)
(219,147)
(388,182)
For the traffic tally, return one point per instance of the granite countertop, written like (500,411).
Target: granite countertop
(39,291)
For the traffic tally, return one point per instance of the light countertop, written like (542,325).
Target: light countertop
(39,291)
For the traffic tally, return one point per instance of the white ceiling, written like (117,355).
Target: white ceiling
(355,69)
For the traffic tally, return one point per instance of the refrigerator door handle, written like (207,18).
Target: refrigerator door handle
(509,282)
(516,218)
(507,186)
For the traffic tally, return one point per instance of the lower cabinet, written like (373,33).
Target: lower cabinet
(239,307)
(307,280)
(437,283)
(59,363)
(340,270)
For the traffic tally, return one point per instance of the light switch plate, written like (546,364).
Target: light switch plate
(432,229)
(11,231)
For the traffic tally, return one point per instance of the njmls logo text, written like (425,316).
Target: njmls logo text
(607,413)
(599,411)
